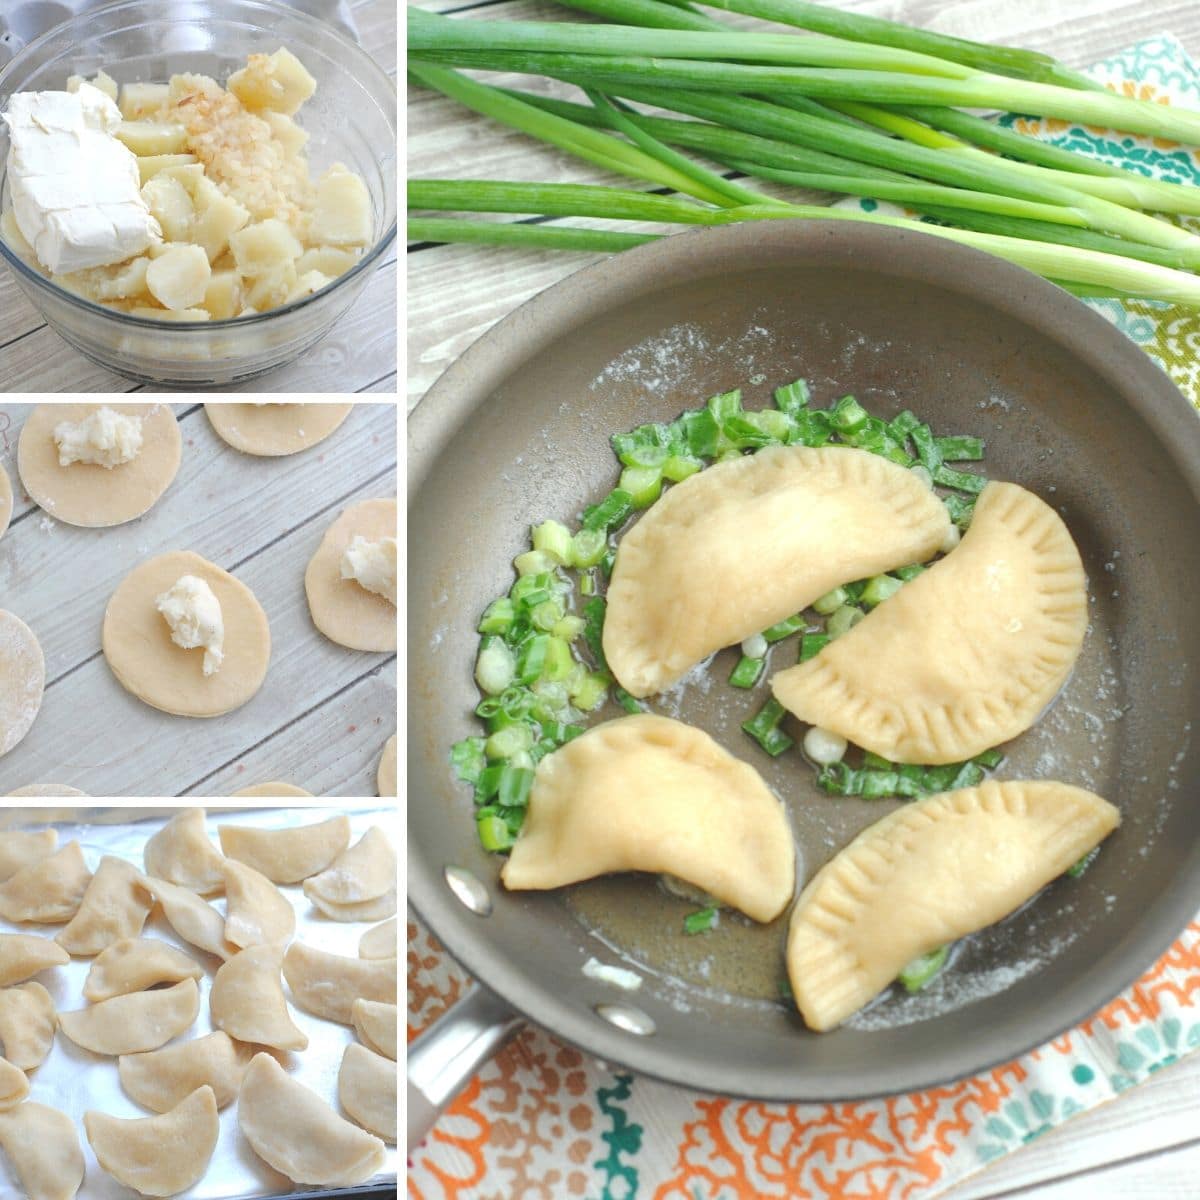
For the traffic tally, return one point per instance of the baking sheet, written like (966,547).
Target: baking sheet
(74,1080)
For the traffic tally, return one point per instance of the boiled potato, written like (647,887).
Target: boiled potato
(342,216)
(218,217)
(138,99)
(171,206)
(152,137)
(265,247)
(102,82)
(277,82)
(308,283)
(223,296)
(188,174)
(163,314)
(289,135)
(118,282)
(179,278)
(150,166)
(272,288)
(329,260)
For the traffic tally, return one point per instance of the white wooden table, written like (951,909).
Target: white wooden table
(1147,1143)
(358,355)
(324,712)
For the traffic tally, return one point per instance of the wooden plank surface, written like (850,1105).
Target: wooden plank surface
(324,712)
(358,355)
(1144,1144)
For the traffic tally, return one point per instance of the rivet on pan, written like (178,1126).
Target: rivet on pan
(469,890)
(628,1018)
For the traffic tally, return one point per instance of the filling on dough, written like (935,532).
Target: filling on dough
(105,438)
(194,614)
(372,565)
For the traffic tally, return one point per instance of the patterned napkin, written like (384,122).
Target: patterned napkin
(544,1121)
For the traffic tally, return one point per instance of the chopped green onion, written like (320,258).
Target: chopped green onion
(495,667)
(877,762)
(610,513)
(879,588)
(904,574)
(813,427)
(568,627)
(840,779)
(629,703)
(848,414)
(725,405)
(701,433)
(700,921)
(557,661)
(489,782)
(533,562)
(591,691)
(546,615)
(843,620)
(903,424)
(468,760)
(969,775)
(961,510)
(531,657)
(494,834)
(927,451)
(875,785)
(1077,869)
(510,740)
(643,485)
(831,601)
(785,628)
(763,727)
(792,397)
(747,672)
(963,481)
(679,467)
(959,449)
(989,759)
(921,970)
(593,628)
(811,644)
(588,547)
(497,617)
(531,590)
(587,583)
(515,784)
(554,540)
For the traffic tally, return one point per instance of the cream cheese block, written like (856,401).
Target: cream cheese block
(76,189)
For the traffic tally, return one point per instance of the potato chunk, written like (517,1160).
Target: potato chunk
(171,206)
(164,314)
(277,81)
(179,278)
(218,217)
(152,137)
(343,213)
(308,283)
(150,166)
(289,135)
(223,296)
(271,289)
(264,247)
(142,99)
(119,282)
(329,260)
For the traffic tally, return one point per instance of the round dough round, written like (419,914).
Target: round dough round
(272,789)
(88,495)
(6,501)
(342,610)
(385,778)
(47,789)
(137,640)
(22,679)
(270,430)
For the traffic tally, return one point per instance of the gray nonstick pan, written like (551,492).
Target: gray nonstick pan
(517,432)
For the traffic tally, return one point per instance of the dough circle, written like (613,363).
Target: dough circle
(91,496)
(272,789)
(22,679)
(385,778)
(271,430)
(6,501)
(47,789)
(343,610)
(136,640)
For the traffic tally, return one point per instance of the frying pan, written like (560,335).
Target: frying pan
(517,431)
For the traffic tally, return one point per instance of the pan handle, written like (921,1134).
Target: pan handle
(445,1056)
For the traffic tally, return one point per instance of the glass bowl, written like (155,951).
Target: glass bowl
(351,119)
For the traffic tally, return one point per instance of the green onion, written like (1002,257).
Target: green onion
(610,513)
(961,510)
(468,760)
(763,727)
(497,617)
(963,481)
(495,667)
(494,834)
(588,547)
(811,644)
(970,774)
(843,620)
(785,628)
(700,921)
(879,588)
(593,629)
(876,761)
(546,615)
(533,562)
(792,397)
(959,449)
(450,230)
(848,414)
(489,782)
(568,628)
(1077,869)
(920,971)
(903,424)
(509,741)
(643,485)
(531,657)
(554,540)
(831,601)
(747,671)
(678,467)
(629,703)
(515,785)
(904,574)
(989,759)
(556,661)
(591,692)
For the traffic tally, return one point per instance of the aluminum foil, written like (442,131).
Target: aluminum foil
(74,1080)
(23,20)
